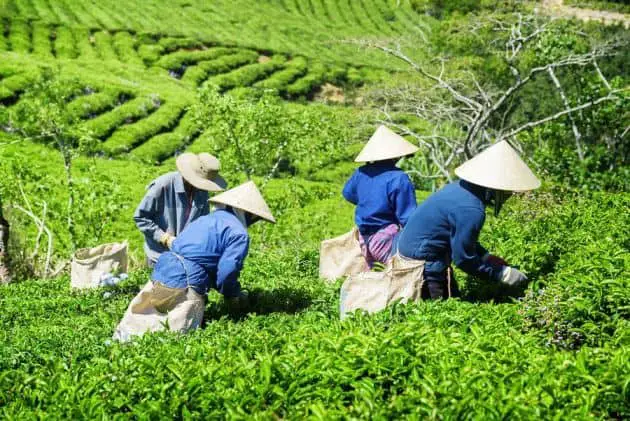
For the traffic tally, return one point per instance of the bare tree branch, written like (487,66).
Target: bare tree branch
(565,101)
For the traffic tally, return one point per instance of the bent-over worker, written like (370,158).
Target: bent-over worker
(383,194)
(5,275)
(208,254)
(445,227)
(176,199)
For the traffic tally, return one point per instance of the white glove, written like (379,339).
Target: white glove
(167,240)
(512,276)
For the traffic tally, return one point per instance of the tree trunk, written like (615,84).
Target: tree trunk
(5,276)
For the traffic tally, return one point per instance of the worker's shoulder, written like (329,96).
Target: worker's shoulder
(164,180)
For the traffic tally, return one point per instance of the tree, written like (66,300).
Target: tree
(467,114)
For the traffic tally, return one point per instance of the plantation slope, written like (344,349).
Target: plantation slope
(562,352)
(306,27)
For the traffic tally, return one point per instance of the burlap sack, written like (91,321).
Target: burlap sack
(89,264)
(373,291)
(341,256)
(157,307)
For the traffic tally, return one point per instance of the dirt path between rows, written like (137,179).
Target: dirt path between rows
(557,8)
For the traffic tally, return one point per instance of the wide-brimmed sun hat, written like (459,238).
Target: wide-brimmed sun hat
(385,144)
(246,197)
(499,167)
(201,170)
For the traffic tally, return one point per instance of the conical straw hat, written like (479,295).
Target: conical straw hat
(248,198)
(202,171)
(385,144)
(499,167)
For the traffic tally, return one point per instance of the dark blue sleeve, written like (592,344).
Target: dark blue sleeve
(230,265)
(350,190)
(404,199)
(466,224)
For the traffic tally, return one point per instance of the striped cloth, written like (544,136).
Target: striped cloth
(378,246)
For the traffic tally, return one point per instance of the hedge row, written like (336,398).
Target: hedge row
(104,48)
(280,80)
(20,36)
(42,45)
(13,85)
(65,46)
(125,47)
(165,145)
(88,106)
(129,136)
(84,43)
(4,42)
(179,59)
(150,53)
(197,74)
(305,85)
(169,44)
(103,125)
(247,75)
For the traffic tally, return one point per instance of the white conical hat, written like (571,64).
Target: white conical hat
(248,198)
(385,144)
(499,167)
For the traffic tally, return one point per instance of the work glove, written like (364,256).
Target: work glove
(494,260)
(167,240)
(512,276)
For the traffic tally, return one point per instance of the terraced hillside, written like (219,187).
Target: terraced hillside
(137,87)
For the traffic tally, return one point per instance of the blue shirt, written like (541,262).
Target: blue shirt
(166,208)
(211,251)
(383,195)
(445,228)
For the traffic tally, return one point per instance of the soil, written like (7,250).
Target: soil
(558,8)
(331,93)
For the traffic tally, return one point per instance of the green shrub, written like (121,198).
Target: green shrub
(279,80)
(12,86)
(103,45)
(197,74)
(65,44)
(165,145)
(84,43)
(305,86)
(42,45)
(246,75)
(128,136)
(89,106)
(172,44)
(179,59)
(125,47)
(20,36)
(103,125)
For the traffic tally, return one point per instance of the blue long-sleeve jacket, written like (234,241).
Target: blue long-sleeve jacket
(383,195)
(445,228)
(211,251)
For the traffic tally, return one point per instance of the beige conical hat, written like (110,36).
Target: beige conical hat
(202,171)
(248,198)
(385,144)
(499,167)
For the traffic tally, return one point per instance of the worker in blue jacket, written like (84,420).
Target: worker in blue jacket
(383,194)
(208,254)
(445,228)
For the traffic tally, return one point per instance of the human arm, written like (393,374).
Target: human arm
(350,190)
(404,199)
(230,266)
(147,214)
(466,224)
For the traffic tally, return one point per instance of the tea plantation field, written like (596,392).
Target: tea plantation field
(131,75)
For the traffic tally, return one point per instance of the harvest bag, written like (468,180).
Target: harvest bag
(373,291)
(89,264)
(158,307)
(341,256)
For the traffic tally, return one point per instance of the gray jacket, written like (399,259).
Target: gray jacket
(165,208)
